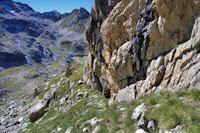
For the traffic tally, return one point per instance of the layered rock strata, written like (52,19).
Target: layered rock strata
(139,46)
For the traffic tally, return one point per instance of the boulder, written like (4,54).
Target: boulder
(151,125)
(38,111)
(94,121)
(68,71)
(140,131)
(96,130)
(139,111)
(142,123)
(68,130)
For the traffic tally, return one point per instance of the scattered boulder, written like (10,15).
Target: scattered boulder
(139,111)
(142,123)
(62,100)
(59,129)
(85,129)
(167,132)
(71,84)
(21,119)
(80,82)
(96,130)
(68,130)
(94,121)
(157,105)
(177,129)
(151,125)
(36,92)
(38,111)
(140,131)
(68,71)
(79,95)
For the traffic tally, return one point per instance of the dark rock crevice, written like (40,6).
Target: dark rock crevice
(140,42)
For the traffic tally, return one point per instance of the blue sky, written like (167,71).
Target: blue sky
(62,6)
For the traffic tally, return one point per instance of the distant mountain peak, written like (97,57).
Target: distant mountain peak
(75,21)
(53,12)
(81,10)
(53,15)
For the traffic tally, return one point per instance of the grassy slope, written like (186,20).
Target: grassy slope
(23,80)
(73,23)
(175,108)
(168,114)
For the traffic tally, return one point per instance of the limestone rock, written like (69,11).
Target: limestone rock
(139,111)
(141,46)
(21,119)
(178,69)
(89,76)
(140,131)
(85,129)
(37,111)
(94,121)
(121,21)
(151,125)
(126,94)
(96,130)
(142,123)
(59,129)
(68,130)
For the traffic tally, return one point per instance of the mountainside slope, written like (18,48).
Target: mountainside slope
(75,21)
(63,103)
(144,54)
(140,46)
(27,36)
(71,30)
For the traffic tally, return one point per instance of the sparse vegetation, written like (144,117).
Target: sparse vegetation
(74,23)
(180,108)
(171,112)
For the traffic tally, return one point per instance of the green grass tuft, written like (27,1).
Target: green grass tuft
(180,108)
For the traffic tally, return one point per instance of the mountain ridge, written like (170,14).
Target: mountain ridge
(33,34)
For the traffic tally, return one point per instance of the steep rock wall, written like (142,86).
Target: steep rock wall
(128,38)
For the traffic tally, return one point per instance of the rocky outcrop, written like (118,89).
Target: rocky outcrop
(38,111)
(179,69)
(145,45)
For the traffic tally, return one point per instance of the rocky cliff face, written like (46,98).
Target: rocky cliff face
(141,46)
